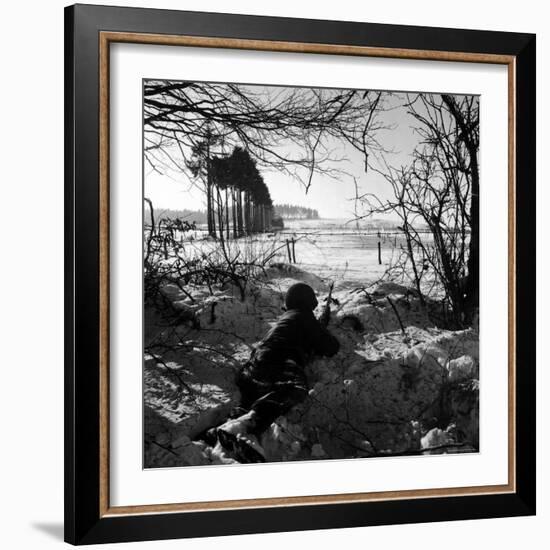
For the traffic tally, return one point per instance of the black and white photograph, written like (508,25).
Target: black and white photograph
(310,273)
(274,275)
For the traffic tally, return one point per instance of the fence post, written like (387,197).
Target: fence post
(293,251)
(379,254)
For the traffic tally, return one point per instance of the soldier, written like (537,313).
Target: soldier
(273,380)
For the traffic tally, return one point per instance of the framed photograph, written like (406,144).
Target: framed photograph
(300,274)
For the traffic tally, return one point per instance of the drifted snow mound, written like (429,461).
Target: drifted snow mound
(374,409)
(463,368)
(397,386)
(361,407)
(223,310)
(394,380)
(385,309)
(197,341)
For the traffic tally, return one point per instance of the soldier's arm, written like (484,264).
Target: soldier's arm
(324,343)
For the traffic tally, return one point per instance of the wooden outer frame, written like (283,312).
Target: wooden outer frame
(105,39)
(89,31)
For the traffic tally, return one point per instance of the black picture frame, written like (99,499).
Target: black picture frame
(84,522)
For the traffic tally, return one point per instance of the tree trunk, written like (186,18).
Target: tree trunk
(209,198)
(240,213)
(262,218)
(220,213)
(226,213)
(471,287)
(234,212)
(247,217)
(208,209)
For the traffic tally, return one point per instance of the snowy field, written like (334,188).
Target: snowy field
(336,250)
(332,249)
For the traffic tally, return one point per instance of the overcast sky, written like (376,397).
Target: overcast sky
(333,198)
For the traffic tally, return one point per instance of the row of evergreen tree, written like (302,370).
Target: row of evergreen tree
(238,201)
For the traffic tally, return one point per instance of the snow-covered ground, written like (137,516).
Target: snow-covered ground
(341,251)
(388,391)
(333,249)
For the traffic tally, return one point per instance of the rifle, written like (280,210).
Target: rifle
(325,315)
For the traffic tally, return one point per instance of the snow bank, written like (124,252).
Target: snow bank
(397,386)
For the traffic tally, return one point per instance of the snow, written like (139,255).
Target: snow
(332,249)
(381,394)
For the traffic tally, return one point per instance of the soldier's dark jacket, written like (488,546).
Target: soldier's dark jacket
(297,336)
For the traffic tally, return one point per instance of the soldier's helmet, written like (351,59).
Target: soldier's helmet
(301,296)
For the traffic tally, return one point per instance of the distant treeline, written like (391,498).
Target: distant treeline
(377,223)
(197,216)
(291,212)
(294,212)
